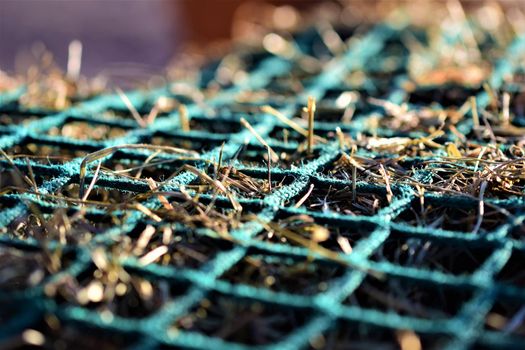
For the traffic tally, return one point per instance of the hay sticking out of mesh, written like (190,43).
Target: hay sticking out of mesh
(321,186)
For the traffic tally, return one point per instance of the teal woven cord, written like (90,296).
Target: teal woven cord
(316,319)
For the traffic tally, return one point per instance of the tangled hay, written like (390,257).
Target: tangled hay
(330,185)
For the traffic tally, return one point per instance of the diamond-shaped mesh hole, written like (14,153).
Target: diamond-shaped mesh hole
(328,199)
(462,218)
(241,321)
(411,298)
(513,272)
(81,130)
(507,317)
(426,253)
(284,275)
(46,153)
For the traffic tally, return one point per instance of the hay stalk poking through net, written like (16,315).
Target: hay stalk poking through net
(386,212)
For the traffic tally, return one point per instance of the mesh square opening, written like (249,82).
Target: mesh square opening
(446,215)
(507,317)
(10,178)
(329,199)
(136,167)
(113,290)
(513,272)
(70,336)
(346,334)
(8,202)
(396,167)
(83,130)
(281,88)
(24,268)
(186,247)
(254,156)
(281,274)
(341,236)
(287,135)
(450,95)
(518,232)
(125,114)
(240,183)
(241,321)
(424,253)
(216,216)
(409,298)
(48,153)
(198,144)
(215,125)
(66,226)
(8,118)
(107,195)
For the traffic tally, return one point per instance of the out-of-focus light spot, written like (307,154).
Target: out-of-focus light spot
(346,98)
(95,292)
(277,45)
(489,17)
(32,337)
(285,17)
(408,340)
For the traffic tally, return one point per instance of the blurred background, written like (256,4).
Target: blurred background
(125,38)
(118,36)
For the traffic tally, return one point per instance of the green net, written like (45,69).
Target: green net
(441,281)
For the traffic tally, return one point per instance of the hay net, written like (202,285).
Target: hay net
(402,225)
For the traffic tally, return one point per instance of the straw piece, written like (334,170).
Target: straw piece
(134,113)
(167,234)
(31,175)
(293,125)
(340,138)
(153,255)
(144,239)
(74,60)
(147,212)
(505,113)
(475,116)
(153,186)
(311,114)
(250,128)
(481,206)
(305,197)
(183,117)
(92,184)
(344,244)
(389,192)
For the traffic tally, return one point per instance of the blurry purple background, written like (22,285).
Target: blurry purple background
(121,38)
(113,33)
